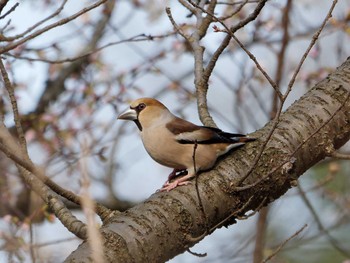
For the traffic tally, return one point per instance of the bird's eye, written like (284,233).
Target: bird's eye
(141,106)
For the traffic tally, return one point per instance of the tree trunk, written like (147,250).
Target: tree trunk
(167,224)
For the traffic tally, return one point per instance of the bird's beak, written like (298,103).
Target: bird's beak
(129,114)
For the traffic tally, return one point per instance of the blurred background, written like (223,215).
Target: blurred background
(72,81)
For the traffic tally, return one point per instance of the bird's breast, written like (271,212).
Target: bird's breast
(162,146)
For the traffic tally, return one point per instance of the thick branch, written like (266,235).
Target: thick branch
(172,221)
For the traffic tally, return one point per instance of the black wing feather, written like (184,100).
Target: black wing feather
(202,134)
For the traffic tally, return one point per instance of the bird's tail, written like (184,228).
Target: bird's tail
(239,142)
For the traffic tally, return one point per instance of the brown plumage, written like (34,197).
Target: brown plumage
(171,141)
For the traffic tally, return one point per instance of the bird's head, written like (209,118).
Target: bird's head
(144,112)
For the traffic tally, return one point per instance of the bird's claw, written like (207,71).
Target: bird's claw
(170,186)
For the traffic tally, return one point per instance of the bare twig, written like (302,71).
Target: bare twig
(201,207)
(137,38)
(238,2)
(94,236)
(200,83)
(281,57)
(222,222)
(13,8)
(210,67)
(198,51)
(49,27)
(200,255)
(10,148)
(260,233)
(246,216)
(57,12)
(253,58)
(339,155)
(31,242)
(314,214)
(249,18)
(283,244)
(3,3)
(312,43)
(17,157)
(230,31)
(236,11)
(22,157)
(235,213)
(175,25)
(13,100)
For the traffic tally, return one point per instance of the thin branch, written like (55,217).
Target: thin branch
(249,18)
(201,207)
(175,25)
(16,117)
(188,6)
(200,82)
(3,3)
(262,148)
(94,236)
(206,21)
(210,67)
(235,214)
(313,212)
(56,86)
(312,43)
(339,155)
(31,242)
(66,217)
(238,9)
(201,78)
(253,58)
(230,31)
(13,8)
(7,145)
(57,12)
(25,161)
(54,242)
(283,244)
(49,27)
(200,255)
(281,57)
(246,216)
(238,2)
(261,228)
(137,38)
(9,148)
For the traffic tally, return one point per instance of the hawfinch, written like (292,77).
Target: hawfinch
(177,143)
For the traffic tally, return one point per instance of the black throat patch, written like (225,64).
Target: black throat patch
(138,124)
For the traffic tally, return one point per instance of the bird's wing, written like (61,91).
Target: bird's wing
(226,134)
(188,133)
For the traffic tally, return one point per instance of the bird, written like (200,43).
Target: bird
(177,143)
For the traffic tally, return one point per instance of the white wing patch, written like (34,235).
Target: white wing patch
(229,148)
(192,136)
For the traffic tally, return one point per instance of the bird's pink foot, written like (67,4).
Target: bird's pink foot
(175,173)
(184,180)
(170,186)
